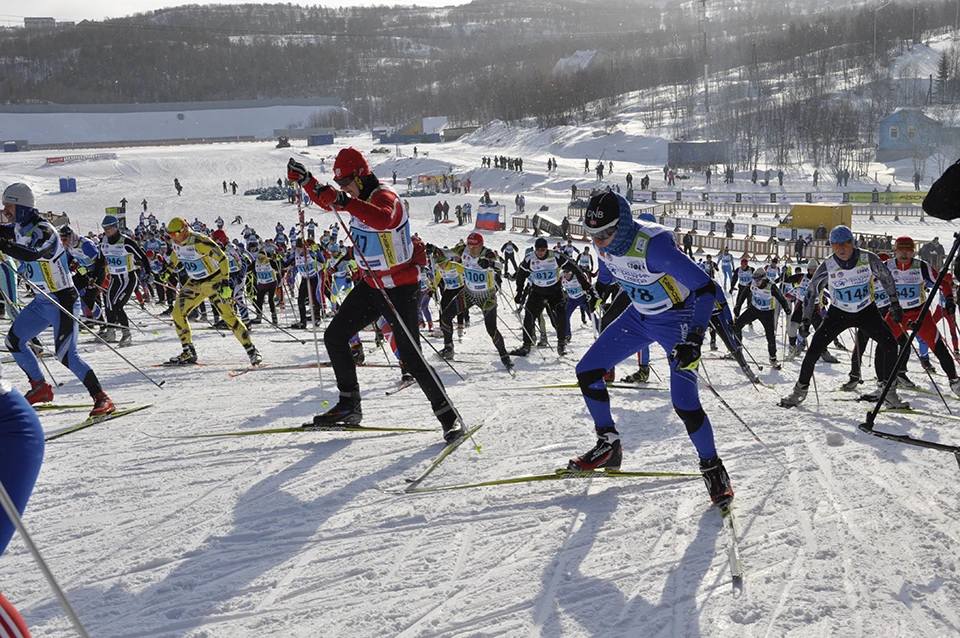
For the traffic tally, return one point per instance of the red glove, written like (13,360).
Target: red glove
(327,197)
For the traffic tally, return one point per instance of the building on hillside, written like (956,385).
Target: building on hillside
(39,23)
(92,125)
(592,60)
(910,133)
(698,156)
(424,130)
(315,136)
(456,132)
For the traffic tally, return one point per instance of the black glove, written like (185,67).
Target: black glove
(483,262)
(950,306)
(297,172)
(593,300)
(896,313)
(686,354)
(804,328)
(518,298)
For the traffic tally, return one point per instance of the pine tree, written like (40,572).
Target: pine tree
(943,77)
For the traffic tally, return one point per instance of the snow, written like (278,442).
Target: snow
(293,534)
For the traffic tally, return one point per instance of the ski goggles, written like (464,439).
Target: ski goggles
(344,181)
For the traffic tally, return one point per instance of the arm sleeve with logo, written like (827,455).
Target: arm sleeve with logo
(664,256)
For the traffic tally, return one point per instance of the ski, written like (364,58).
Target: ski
(400,388)
(733,549)
(64,406)
(301,366)
(909,440)
(575,386)
(94,420)
(239,371)
(300,341)
(952,417)
(306,427)
(444,453)
(557,475)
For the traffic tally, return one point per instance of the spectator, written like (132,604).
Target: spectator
(688,244)
(586,165)
(573,192)
(728,228)
(629,180)
(780,176)
(753,176)
(565,228)
(916,181)
(709,173)
(816,178)
(798,248)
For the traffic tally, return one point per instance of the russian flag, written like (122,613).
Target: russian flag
(488,217)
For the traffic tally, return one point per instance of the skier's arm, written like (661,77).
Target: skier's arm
(930,275)
(43,248)
(523,271)
(779,296)
(883,275)
(817,283)
(664,256)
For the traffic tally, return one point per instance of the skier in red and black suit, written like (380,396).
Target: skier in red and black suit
(391,261)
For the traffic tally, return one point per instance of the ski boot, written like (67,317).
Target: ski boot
(356,349)
(955,385)
(460,332)
(775,364)
(826,357)
(446,353)
(406,377)
(561,349)
(713,345)
(926,365)
(300,325)
(102,332)
(543,343)
(607,453)
(640,376)
(851,383)
(891,400)
(110,336)
(904,381)
(187,357)
(346,412)
(796,397)
(167,312)
(255,358)
(102,405)
(718,482)
(452,424)
(39,392)
(125,338)
(273,319)
(522,351)
(507,362)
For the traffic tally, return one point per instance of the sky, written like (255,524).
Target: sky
(100,9)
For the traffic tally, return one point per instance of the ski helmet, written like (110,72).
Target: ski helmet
(349,164)
(220,237)
(151,254)
(21,196)
(474,239)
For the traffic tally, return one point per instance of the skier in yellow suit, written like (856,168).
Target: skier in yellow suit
(208,273)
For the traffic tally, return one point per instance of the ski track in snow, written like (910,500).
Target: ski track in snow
(292,534)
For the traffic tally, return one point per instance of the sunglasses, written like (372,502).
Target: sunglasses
(599,234)
(344,181)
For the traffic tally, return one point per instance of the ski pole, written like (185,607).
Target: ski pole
(14,517)
(935,386)
(706,381)
(37,289)
(313,313)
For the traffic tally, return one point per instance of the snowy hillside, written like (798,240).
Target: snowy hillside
(296,535)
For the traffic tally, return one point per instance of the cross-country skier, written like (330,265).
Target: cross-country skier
(762,294)
(849,275)
(21,454)
(380,229)
(543,267)
(208,277)
(33,241)
(672,302)
(124,258)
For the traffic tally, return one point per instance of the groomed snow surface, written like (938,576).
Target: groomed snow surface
(293,535)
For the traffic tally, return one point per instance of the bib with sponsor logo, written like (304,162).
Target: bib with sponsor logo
(851,289)
(651,292)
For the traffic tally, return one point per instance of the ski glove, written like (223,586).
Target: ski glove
(297,172)
(483,262)
(950,306)
(593,301)
(518,298)
(804,328)
(896,313)
(328,196)
(226,291)
(686,354)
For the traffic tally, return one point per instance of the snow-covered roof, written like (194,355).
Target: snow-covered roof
(434,125)
(579,61)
